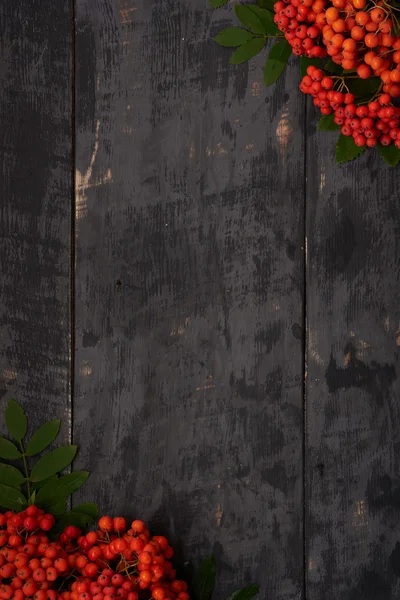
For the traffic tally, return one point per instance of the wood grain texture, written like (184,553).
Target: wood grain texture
(353,417)
(35,206)
(189,284)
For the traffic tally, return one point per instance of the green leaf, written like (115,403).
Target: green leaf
(11,498)
(40,484)
(62,488)
(8,450)
(327,123)
(247,51)
(363,87)
(43,437)
(346,149)
(233,36)
(268,4)
(77,519)
(32,498)
(89,508)
(307,62)
(276,61)
(11,475)
(267,19)
(53,462)
(58,509)
(217,3)
(246,593)
(16,420)
(249,19)
(204,582)
(333,68)
(390,154)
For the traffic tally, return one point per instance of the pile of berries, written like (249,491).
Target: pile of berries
(368,123)
(111,563)
(360,37)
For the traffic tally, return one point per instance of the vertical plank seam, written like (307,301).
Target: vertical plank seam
(304,351)
(73,217)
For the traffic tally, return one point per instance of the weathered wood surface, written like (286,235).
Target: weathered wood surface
(35,206)
(189,287)
(353,415)
(189,281)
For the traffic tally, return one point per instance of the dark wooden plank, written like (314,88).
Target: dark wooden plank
(35,206)
(189,288)
(353,474)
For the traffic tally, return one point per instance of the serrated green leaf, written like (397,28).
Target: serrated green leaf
(53,462)
(43,437)
(327,123)
(62,488)
(217,3)
(204,582)
(249,19)
(11,498)
(267,19)
(306,62)
(276,61)
(247,51)
(390,154)
(233,36)
(246,593)
(8,450)
(346,149)
(16,420)
(11,475)
(89,508)
(268,4)
(363,87)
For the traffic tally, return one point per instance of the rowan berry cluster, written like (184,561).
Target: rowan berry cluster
(112,563)
(301,21)
(368,123)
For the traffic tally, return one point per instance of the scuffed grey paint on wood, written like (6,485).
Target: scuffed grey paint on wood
(189,285)
(353,416)
(191,209)
(35,207)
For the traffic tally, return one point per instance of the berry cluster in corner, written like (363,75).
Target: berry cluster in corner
(368,123)
(111,563)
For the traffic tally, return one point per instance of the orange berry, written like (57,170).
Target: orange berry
(359,4)
(332,14)
(395,76)
(357,33)
(339,25)
(377,15)
(371,26)
(385,76)
(362,18)
(349,45)
(363,71)
(350,55)
(318,6)
(371,40)
(337,40)
(387,39)
(385,27)
(396,56)
(394,90)
(348,64)
(106,524)
(339,3)
(377,63)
